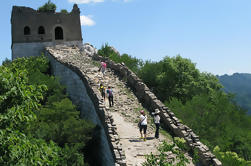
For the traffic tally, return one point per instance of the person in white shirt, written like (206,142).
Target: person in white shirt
(143,124)
(157,122)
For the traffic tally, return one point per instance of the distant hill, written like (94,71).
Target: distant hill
(240,85)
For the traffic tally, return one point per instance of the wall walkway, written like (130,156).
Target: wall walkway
(120,121)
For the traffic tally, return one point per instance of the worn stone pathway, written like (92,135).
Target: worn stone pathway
(125,113)
(125,110)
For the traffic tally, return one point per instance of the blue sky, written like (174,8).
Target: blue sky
(214,34)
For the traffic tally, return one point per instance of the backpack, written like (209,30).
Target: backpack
(110,92)
(103,64)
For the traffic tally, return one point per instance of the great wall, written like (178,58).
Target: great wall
(59,36)
(120,145)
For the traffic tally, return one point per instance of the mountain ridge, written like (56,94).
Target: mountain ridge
(238,84)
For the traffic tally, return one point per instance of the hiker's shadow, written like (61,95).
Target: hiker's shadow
(140,140)
(135,140)
(150,138)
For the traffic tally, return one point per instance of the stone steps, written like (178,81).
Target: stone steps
(126,104)
(129,149)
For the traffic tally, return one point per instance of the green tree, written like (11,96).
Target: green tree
(61,123)
(217,121)
(148,73)
(178,159)
(64,11)
(131,62)
(230,158)
(177,77)
(6,61)
(38,123)
(106,51)
(48,7)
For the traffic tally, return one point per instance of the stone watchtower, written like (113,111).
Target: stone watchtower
(32,30)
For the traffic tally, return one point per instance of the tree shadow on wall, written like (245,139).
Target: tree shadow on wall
(91,152)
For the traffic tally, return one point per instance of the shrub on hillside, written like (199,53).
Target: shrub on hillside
(178,155)
(230,158)
(132,63)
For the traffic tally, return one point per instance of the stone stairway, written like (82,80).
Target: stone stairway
(124,113)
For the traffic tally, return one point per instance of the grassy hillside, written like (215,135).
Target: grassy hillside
(240,85)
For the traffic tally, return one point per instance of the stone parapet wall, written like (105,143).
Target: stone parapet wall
(170,121)
(104,116)
(76,90)
(20,50)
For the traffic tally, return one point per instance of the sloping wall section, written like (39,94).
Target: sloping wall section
(144,95)
(77,92)
(84,94)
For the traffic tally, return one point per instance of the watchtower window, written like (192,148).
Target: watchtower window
(41,30)
(27,30)
(59,33)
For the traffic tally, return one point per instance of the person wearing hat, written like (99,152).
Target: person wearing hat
(157,122)
(143,124)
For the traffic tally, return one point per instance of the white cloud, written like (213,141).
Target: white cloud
(87,20)
(94,1)
(85,1)
(122,0)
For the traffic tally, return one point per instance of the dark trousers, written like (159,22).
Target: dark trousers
(157,130)
(143,127)
(110,98)
(103,94)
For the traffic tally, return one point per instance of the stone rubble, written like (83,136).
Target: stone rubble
(89,49)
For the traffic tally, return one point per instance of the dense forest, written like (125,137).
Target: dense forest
(198,100)
(39,125)
(238,84)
